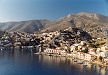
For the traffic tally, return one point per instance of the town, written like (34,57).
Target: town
(71,42)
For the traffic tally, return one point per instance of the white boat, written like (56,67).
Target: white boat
(75,60)
(99,67)
(29,46)
(1,48)
(84,65)
(80,62)
(94,66)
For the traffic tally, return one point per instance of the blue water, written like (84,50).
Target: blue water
(23,62)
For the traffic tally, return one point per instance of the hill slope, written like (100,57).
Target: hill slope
(24,26)
(96,25)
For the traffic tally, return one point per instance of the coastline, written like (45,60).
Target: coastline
(72,58)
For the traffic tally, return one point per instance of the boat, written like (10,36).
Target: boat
(99,67)
(38,53)
(49,54)
(80,62)
(94,66)
(1,48)
(84,65)
(75,60)
(29,46)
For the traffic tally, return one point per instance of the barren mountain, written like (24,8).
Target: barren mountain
(96,25)
(24,26)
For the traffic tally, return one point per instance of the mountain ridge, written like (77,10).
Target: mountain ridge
(95,24)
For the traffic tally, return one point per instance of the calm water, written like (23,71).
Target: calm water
(21,62)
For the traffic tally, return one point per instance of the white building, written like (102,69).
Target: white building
(72,48)
(104,49)
(83,43)
(103,54)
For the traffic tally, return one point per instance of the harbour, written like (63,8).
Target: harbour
(21,62)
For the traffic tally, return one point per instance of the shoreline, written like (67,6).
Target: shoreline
(70,57)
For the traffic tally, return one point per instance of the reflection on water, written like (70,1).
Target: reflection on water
(72,67)
(25,62)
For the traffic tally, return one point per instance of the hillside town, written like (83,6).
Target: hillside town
(71,42)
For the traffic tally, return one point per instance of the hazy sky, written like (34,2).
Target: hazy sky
(16,10)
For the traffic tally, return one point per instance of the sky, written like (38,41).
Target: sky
(20,10)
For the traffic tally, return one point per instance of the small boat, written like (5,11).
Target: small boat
(75,60)
(37,53)
(80,62)
(99,67)
(29,46)
(102,66)
(84,65)
(94,66)
(1,48)
(49,54)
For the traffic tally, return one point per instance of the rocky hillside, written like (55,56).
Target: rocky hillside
(73,35)
(24,26)
(96,25)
